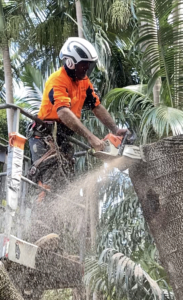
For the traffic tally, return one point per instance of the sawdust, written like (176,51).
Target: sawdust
(65,213)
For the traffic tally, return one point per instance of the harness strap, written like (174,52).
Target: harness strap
(49,141)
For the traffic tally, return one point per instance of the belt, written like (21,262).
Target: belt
(40,130)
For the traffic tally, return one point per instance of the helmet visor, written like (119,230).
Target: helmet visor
(91,67)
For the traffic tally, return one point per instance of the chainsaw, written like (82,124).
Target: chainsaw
(120,147)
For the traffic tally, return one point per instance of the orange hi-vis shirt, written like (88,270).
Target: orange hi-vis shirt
(61,90)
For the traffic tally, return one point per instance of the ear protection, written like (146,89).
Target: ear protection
(70,63)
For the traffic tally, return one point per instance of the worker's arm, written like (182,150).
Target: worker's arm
(71,121)
(103,115)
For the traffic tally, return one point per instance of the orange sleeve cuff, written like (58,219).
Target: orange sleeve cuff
(97,103)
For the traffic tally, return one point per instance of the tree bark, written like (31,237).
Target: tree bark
(158,183)
(144,45)
(178,57)
(8,84)
(79,18)
(7,289)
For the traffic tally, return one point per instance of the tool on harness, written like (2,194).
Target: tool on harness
(34,170)
(34,129)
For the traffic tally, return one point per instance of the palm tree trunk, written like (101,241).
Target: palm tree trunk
(7,289)
(148,27)
(156,91)
(157,86)
(8,84)
(158,184)
(79,18)
(178,58)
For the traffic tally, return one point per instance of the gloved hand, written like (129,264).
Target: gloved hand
(96,143)
(122,131)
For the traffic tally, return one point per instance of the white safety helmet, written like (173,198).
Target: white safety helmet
(77,49)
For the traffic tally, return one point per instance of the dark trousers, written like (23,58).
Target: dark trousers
(38,146)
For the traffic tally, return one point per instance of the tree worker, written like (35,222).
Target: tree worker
(67,92)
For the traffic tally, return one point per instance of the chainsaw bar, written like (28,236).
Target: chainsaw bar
(105,155)
(130,151)
(131,156)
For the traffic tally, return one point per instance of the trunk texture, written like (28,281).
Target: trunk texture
(8,84)
(178,57)
(158,83)
(7,289)
(156,92)
(157,86)
(158,183)
(79,18)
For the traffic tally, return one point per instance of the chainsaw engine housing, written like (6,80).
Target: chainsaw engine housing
(112,144)
(113,150)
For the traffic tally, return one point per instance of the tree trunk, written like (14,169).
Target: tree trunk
(8,84)
(157,86)
(79,18)
(7,289)
(144,45)
(158,183)
(178,57)
(156,92)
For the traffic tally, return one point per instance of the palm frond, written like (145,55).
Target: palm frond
(116,275)
(128,104)
(160,36)
(125,234)
(32,77)
(33,89)
(164,120)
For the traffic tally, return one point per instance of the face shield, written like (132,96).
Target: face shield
(91,67)
(78,70)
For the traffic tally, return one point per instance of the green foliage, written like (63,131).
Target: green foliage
(163,119)
(159,39)
(118,277)
(135,109)
(119,14)
(147,257)
(33,89)
(114,13)
(39,29)
(128,264)
(122,225)
(113,43)
(128,105)
(14,19)
(51,28)
(64,294)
